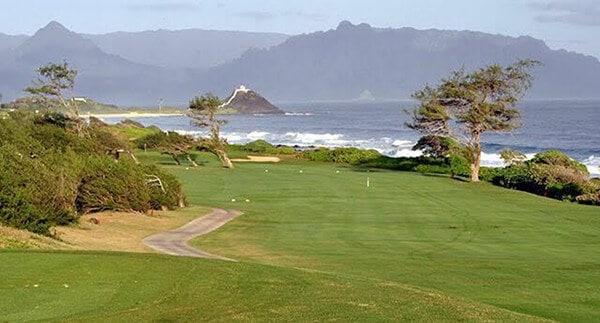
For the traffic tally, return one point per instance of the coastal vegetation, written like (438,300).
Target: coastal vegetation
(50,174)
(465,106)
(203,112)
(56,166)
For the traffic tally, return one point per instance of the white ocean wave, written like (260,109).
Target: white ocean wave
(402,143)
(256,135)
(593,165)
(326,139)
(406,152)
(296,114)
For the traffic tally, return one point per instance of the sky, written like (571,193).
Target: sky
(566,24)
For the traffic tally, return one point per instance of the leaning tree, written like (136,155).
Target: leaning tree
(203,112)
(53,81)
(465,106)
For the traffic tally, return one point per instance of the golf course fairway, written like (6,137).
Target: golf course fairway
(315,243)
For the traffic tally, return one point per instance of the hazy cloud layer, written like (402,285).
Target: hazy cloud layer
(575,12)
(165,6)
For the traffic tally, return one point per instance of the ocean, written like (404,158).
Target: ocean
(570,126)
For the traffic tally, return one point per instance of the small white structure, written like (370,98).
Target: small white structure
(242,89)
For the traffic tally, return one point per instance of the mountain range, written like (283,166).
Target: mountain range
(338,64)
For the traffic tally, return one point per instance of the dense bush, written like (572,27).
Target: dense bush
(550,173)
(349,155)
(49,174)
(263,147)
(165,141)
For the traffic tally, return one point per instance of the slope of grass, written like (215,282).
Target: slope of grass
(316,244)
(506,248)
(143,287)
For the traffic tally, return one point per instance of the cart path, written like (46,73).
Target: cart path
(175,242)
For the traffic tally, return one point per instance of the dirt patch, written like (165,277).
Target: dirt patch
(123,231)
(258,159)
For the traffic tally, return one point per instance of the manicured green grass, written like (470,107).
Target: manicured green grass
(506,248)
(316,244)
(143,287)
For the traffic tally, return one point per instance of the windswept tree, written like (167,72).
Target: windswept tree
(53,81)
(465,106)
(511,157)
(203,112)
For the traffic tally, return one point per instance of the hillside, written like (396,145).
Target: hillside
(9,41)
(338,64)
(246,101)
(190,48)
(392,63)
(105,77)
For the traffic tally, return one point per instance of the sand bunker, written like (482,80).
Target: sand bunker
(258,159)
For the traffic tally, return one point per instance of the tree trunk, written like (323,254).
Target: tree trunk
(191,161)
(224,159)
(475,172)
(475,157)
(132,155)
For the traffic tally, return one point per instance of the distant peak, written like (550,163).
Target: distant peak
(347,25)
(55,25)
(52,29)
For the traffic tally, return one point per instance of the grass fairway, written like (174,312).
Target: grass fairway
(505,248)
(316,244)
(144,287)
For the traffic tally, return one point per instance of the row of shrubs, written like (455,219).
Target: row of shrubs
(50,173)
(551,174)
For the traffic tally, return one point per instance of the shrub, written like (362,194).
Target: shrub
(550,173)
(35,193)
(166,193)
(263,147)
(48,174)
(350,155)
(126,186)
(589,198)
(259,146)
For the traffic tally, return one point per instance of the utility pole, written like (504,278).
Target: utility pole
(160,102)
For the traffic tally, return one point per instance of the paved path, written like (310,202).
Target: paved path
(174,242)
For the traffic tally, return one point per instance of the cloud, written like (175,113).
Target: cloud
(257,15)
(574,12)
(164,6)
